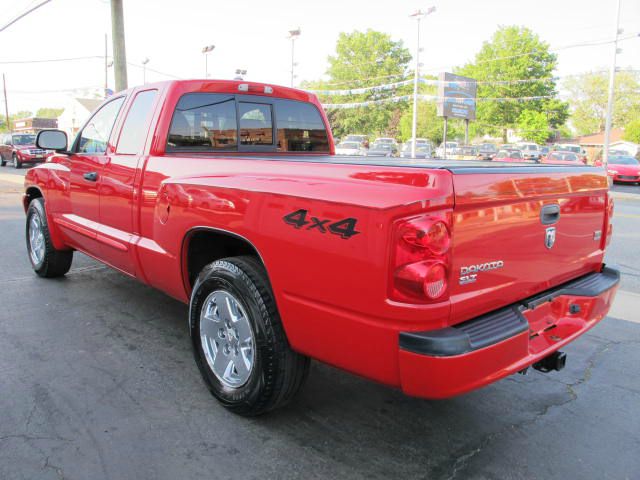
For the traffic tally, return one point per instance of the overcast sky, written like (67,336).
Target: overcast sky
(251,34)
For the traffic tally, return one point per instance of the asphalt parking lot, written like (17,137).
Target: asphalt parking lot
(97,381)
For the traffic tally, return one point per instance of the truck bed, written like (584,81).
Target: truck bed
(456,166)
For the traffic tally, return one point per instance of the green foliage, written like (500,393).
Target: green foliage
(589,95)
(533,126)
(49,112)
(365,59)
(515,53)
(632,131)
(429,125)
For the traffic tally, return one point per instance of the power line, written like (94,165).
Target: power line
(50,60)
(24,15)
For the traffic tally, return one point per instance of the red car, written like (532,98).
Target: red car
(227,195)
(623,169)
(562,158)
(20,149)
(509,156)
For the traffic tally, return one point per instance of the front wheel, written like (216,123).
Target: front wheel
(3,162)
(239,343)
(16,163)
(45,259)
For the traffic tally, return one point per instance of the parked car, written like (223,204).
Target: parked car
(530,151)
(391,141)
(623,169)
(451,146)
(226,195)
(464,152)
(350,148)
(20,149)
(423,150)
(361,139)
(562,158)
(382,150)
(571,147)
(544,151)
(486,151)
(511,155)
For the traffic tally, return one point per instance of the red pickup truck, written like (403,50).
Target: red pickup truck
(437,277)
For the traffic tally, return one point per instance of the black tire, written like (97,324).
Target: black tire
(278,372)
(3,162)
(55,263)
(16,163)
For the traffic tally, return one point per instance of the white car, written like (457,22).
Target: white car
(350,148)
(391,141)
(451,146)
(530,151)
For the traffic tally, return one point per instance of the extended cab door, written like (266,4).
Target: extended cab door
(118,181)
(91,152)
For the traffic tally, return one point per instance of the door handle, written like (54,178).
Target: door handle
(550,214)
(91,176)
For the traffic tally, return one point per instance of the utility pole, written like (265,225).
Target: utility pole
(612,81)
(419,15)
(293,35)
(6,105)
(119,50)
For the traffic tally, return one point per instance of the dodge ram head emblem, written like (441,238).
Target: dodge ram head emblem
(550,237)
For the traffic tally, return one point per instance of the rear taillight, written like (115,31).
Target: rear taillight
(421,257)
(609,224)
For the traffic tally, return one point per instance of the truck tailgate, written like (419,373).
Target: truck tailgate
(519,231)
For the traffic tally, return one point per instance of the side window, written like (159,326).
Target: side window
(204,122)
(136,125)
(95,135)
(300,128)
(255,124)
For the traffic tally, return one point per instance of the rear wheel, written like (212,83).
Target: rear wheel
(3,162)
(45,259)
(16,163)
(239,343)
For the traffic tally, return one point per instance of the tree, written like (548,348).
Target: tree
(49,112)
(589,96)
(365,59)
(533,126)
(515,63)
(632,131)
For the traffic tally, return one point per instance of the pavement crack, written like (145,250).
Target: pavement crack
(55,468)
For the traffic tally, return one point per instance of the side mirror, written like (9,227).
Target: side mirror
(52,140)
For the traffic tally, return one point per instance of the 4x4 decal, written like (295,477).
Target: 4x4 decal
(345,228)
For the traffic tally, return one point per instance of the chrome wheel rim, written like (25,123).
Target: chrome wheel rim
(227,338)
(36,240)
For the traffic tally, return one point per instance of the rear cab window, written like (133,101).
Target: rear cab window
(212,122)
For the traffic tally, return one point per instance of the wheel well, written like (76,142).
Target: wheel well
(206,246)
(31,194)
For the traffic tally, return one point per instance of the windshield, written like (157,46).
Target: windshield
(565,157)
(384,140)
(381,146)
(24,139)
(349,145)
(529,147)
(488,147)
(569,148)
(354,138)
(623,161)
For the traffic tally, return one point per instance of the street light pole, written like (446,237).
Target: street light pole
(612,81)
(144,70)
(206,50)
(419,15)
(293,35)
